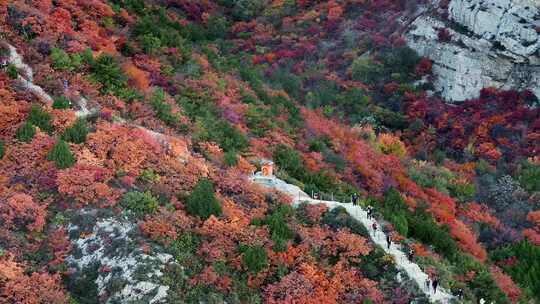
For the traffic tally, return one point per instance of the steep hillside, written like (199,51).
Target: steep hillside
(130,130)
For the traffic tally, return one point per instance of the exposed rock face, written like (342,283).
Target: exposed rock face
(512,23)
(493,43)
(109,252)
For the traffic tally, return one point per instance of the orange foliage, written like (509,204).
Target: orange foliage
(166,225)
(420,250)
(20,209)
(137,77)
(97,8)
(364,160)
(391,144)
(443,206)
(311,285)
(334,13)
(313,161)
(62,119)
(37,288)
(244,166)
(534,217)
(27,163)
(351,245)
(373,167)
(12,113)
(9,269)
(121,148)
(489,150)
(88,184)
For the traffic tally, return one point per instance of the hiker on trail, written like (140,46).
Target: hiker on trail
(428,284)
(355,199)
(369,211)
(411,254)
(435,284)
(388,240)
(460,294)
(374,226)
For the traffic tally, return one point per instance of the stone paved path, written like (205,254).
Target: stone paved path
(379,237)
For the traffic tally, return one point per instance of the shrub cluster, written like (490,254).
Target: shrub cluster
(202,201)
(140,203)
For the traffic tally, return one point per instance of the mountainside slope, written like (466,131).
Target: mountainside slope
(129,131)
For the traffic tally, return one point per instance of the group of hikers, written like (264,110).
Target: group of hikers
(432,283)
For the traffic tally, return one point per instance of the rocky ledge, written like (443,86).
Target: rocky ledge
(109,262)
(481,44)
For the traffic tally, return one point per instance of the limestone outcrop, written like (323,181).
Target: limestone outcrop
(492,43)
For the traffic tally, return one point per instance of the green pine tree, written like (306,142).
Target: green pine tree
(26,132)
(11,71)
(61,155)
(255,258)
(40,118)
(61,103)
(202,201)
(76,133)
(2,149)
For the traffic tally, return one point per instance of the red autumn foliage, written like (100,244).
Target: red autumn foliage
(420,250)
(480,213)
(20,211)
(36,288)
(310,285)
(533,235)
(12,113)
(505,283)
(128,150)
(467,240)
(59,245)
(534,217)
(423,67)
(209,277)
(166,226)
(497,124)
(87,184)
(444,35)
(137,77)
(314,212)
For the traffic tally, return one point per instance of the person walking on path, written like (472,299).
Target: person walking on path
(411,254)
(369,211)
(428,284)
(388,240)
(355,199)
(460,294)
(435,284)
(374,226)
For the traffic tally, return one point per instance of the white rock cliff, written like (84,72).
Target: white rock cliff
(493,43)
